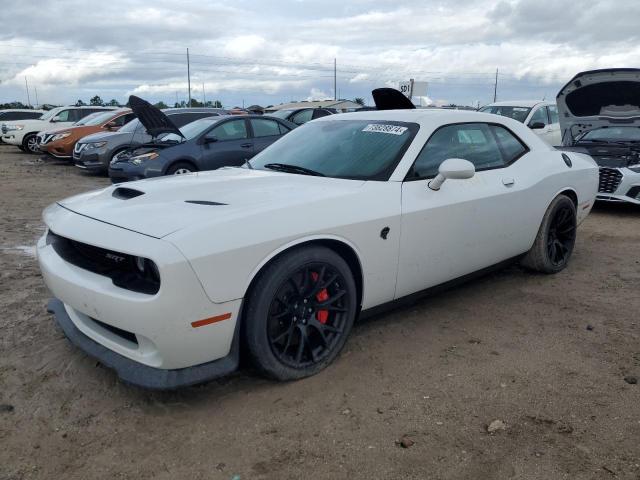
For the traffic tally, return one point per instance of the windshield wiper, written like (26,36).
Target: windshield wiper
(285,167)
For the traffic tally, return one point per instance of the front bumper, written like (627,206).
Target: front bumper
(625,189)
(136,373)
(162,331)
(12,139)
(124,171)
(93,159)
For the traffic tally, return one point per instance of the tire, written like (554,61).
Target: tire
(556,238)
(284,311)
(29,144)
(181,168)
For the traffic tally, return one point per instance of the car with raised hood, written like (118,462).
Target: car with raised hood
(300,116)
(94,152)
(24,133)
(167,280)
(540,116)
(600,116)
(59,143)
(205,144)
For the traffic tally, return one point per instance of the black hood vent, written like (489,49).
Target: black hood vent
(124,193)
(204,202)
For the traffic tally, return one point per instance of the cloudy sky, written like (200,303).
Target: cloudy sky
(267,52)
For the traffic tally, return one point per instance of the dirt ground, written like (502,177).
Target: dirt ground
(546,355)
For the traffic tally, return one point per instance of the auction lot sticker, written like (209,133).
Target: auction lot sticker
(381,128)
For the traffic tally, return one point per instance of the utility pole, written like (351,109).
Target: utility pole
(189,77)
(495,87)
(27,87)
(36,91)
(335,80)
(204,97)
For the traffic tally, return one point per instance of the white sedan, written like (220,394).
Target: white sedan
(164,280)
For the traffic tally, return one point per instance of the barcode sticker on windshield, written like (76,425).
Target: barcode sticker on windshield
(380,128)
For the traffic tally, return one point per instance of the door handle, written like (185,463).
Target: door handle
(508,182)
(246,145)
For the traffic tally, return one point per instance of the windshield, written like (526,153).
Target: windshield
(97,118)
(280,113)
(352,149)
(613,134)
(517,113)
(130,126)
(191,130)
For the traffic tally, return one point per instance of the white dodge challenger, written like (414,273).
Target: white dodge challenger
(166,280)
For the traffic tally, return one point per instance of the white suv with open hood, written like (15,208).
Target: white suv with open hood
(600,115)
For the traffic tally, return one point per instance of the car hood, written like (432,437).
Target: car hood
(160,206)
(599,98)
(105,136)
(77,131)
(152,118)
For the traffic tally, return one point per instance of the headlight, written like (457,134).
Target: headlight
(60,136)
(143,158)
(96,145)
(14,127)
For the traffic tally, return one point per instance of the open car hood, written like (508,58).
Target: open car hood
(391,99)
(599,98)
(152,118)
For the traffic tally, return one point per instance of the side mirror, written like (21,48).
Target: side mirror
(55,119)
(206,140)
(452,169)
(111,126)
(536,126)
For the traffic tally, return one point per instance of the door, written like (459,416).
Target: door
(540,124)
(265,132)
(469,224)
(555,137)
(226,144)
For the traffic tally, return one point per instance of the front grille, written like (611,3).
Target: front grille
(44,138)
(79,147)
(610,179)
(121,268)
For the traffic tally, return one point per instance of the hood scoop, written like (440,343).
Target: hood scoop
(204,202)
(124,193)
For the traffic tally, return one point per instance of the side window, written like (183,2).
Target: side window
(302,117)
(539,116)
(319,112)
(232,130)
(283,129)
(120,121)
(5,116)
(79,114)
(471,141)
(553,114)
(265,128)
(512,148)
(65,116)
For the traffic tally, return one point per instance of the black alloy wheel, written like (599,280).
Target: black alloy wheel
(561,236)
(299,312)
(308,315)
(553,245)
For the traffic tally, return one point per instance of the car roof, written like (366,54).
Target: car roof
(519,103)
(428,117)
(21,110)
(170,111)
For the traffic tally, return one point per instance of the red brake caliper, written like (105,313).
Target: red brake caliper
(321,296)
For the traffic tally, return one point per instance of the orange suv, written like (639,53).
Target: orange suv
(60,143)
